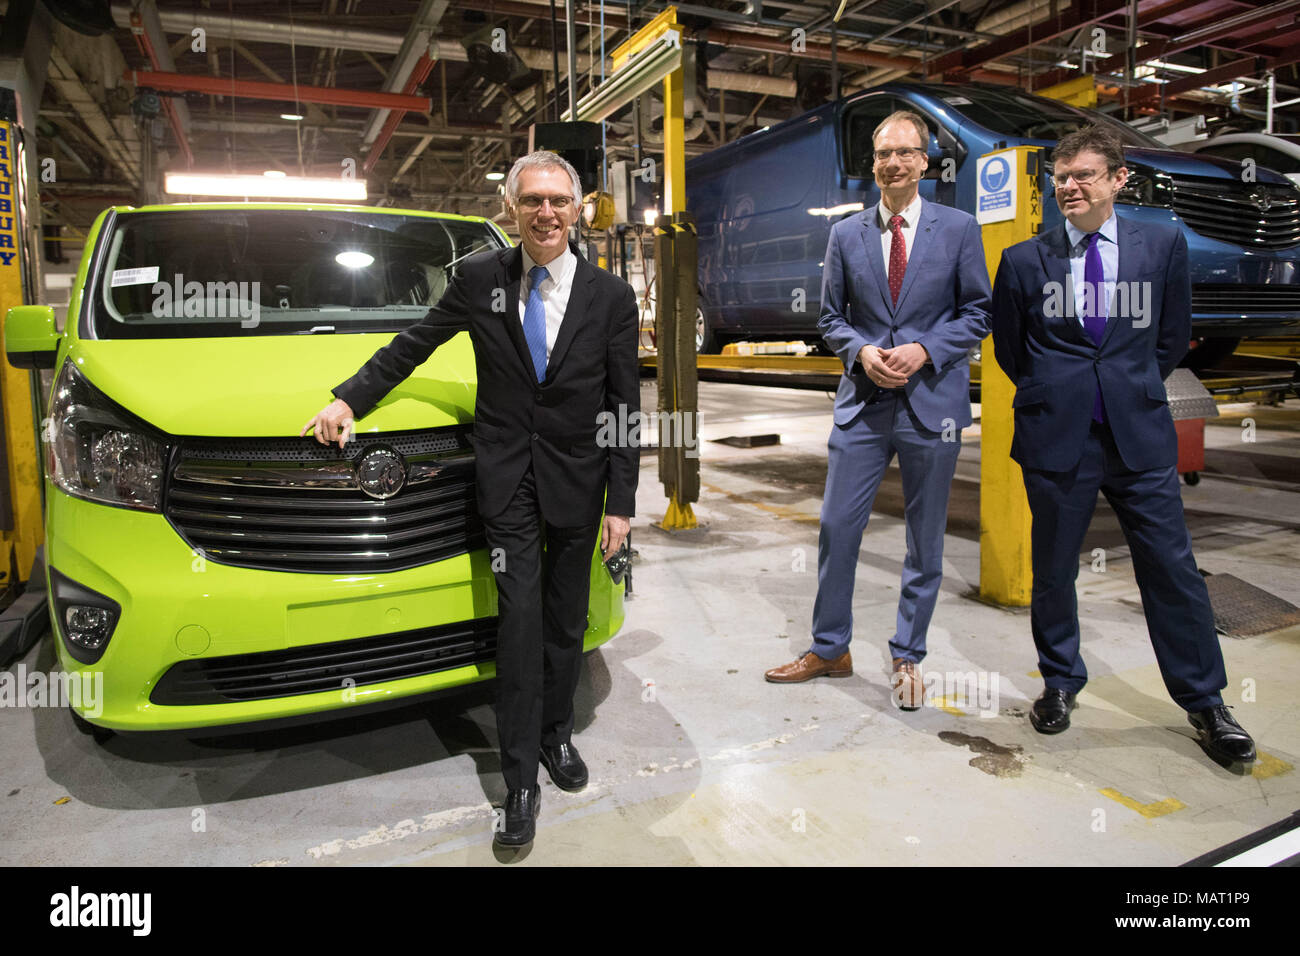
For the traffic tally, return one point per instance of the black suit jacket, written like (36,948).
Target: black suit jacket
(1057,367)
(552,424)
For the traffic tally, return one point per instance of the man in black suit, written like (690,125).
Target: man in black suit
(555,346)
(1089,318)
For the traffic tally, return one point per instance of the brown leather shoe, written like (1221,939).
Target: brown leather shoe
(906,684)
(810,666)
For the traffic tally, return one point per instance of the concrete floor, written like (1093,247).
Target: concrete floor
(696,760)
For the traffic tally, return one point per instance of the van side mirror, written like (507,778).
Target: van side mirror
(31,341)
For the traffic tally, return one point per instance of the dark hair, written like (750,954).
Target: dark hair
(1098,139)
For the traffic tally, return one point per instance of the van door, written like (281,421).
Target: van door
(777,181)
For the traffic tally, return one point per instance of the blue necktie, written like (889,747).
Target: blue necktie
(1094,313)
(535,320)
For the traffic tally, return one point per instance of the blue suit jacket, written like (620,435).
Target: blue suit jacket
(943,304)
(1056,366)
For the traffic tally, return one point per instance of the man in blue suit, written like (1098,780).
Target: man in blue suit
(1089,318)
(905,294)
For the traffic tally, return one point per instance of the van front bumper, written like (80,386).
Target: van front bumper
(201,644)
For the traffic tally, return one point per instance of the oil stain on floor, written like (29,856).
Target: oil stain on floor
(994,759)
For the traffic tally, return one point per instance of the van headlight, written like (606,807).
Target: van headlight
(1147,187)
(96,450)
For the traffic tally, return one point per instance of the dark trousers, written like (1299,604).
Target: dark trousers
(543,575)
(1176,603)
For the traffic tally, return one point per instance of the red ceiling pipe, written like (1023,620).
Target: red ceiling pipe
(146,48)
(287,92)
(418,75)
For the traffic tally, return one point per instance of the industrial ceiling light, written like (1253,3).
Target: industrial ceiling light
(295,117)
(286,187)
(354,260)
(642,70)
(495,176)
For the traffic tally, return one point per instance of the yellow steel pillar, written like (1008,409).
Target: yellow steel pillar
(21,526)
(1005,571)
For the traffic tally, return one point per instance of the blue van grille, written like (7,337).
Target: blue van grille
(238,506)
(1254,215)
(325,667)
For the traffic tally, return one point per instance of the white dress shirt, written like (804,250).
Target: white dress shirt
(911,216)
(555,291)
(1108,244)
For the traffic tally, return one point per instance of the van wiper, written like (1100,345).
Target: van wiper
(447,267)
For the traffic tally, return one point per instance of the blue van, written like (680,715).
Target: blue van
(764,206)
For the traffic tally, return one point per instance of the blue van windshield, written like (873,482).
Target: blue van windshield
(205,273)
(1009,112)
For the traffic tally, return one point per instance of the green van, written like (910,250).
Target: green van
(217,568)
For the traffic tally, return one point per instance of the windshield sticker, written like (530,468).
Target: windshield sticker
(134,276)
(956,101)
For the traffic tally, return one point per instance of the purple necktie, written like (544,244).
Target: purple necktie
(1094,312)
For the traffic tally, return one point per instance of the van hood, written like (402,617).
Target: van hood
(271,385)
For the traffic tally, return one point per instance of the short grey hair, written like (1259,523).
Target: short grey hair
(540,159)
(905,116)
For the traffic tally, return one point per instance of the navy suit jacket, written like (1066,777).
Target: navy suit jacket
(1057,367)
(943,304)
(554,424)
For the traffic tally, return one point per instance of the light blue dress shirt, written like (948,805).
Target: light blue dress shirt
(1109,245)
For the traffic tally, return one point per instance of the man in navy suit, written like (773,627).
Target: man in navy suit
(1089,318)
(905,294)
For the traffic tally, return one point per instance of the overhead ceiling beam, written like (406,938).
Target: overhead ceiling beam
(1085,13)
(285,92)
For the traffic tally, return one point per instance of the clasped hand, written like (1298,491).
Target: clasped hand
(891,368)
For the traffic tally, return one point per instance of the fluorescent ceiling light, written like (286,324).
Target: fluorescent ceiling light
(495,176)
(295,117)
(290,187)
(354,260)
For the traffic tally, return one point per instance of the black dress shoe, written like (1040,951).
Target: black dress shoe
(565,766)
(1051,712)
(1221,736)
(520,824)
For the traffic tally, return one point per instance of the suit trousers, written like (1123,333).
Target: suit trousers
(1175,601)
(857,456)
(543,585)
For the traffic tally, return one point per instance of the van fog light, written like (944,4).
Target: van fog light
(87,626)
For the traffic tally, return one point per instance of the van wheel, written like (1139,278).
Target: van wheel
(706,341)
(99,734)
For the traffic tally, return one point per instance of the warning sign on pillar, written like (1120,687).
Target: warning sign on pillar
(995,189)
(8,230)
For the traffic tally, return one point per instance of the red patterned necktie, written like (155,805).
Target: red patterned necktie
(897,257)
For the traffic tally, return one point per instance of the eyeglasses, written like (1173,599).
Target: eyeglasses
(534,203)
(1082,177)
(904,153)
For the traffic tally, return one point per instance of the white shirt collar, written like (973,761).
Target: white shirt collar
(910,215)
(560,269)
(1109,230)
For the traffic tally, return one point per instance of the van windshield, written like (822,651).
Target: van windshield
(1015,114)
(204,273)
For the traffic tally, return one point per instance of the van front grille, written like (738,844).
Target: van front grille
(240,503)
(325,667)
(1246,299)
(1254,215)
